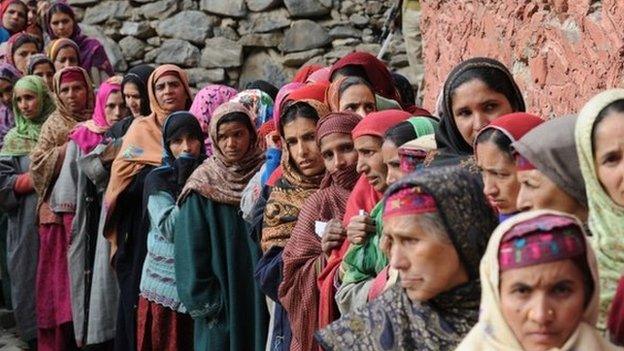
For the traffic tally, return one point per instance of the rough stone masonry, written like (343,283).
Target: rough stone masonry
(236,41)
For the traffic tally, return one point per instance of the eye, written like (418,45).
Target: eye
(491,106)
(521,291)
(328,155)
(464,112)
(611,159)
(562,289)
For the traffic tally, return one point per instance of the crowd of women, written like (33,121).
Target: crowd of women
(329,213)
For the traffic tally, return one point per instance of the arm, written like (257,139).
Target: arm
(9,172)
(198,287)
(93,166)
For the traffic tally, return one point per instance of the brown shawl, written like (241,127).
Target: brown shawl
(142,146)
(288,195)
(303,256)
(218,180)
(47,157)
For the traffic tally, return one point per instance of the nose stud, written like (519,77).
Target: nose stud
(551,312)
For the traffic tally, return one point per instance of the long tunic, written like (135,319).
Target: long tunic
(22,244)
(215,262)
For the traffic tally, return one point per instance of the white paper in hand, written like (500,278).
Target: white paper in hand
(319,228)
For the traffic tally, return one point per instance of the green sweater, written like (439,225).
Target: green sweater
(215,263)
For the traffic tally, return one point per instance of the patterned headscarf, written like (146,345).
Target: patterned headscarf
(259,104)
(606,218)
(36,59)
(22,138)
(15,42)
(56,45)
(217,179)
(492,332)
(205,103)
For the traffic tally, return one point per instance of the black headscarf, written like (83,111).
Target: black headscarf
(174,172)
(139,75)
(448,138)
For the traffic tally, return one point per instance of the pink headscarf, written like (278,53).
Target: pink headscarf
(282,94)
(89,134)
(320,76)
(206,102)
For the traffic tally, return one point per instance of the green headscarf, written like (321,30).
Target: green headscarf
(365,261)
(606,218)
(22,138)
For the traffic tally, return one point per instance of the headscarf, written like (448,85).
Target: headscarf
(492,331)
(259,104)
(22,138)
(378,123)
(55,130)
(280,100)
(376,71)
(142,146)
(14,43)
(414,152)
(5,5)
(514,125)
(393,321)
(56,45)
(302,256)
(91,51)
(87,135)
(288,195)
(206,102)
(319,76)
(138,76)
(606,218)
(449,139)
(217,179)
(173,174)
(304,72)
(10,74)
(550,147)
(36,59)
(314,91)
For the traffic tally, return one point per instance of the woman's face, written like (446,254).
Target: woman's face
(45,71)
(62,25)
(390,155)
(370,161)
(6,92)
(132,95)
(27,103)
(233,139)
(185,143)
(427,262)
(300,138)
(338,152)
(500,181)
(66,57)
(537,192)
(115,108)
(15,17)
(474,105)
(543,304)
(358,99)
(74,96)
(21,55)
(170,93)
(609,155)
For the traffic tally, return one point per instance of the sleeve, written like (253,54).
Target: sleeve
(8,176)
(273,157)
(352,296)
(64,195)
(269,272)
(163,213)
(198,286)
(250,195)
(92,166)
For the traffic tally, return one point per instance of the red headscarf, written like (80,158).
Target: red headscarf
(377,123)
(376,71)
(315,91)
(304,73)
(513,125)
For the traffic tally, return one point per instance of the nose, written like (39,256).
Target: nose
(362,166)
(339,161)
(489,187)
(303,149)
(479,121)
(398,260)
(541,312)
(361,111)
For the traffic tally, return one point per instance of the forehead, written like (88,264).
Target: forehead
(357,92)
(67,50)
(168,77)
(408,225)
(299,125)
(335,140)
(474,91)
(73,84)
(231,126)
(368,142)
(489,154)
(18,5)
(23,91)
(58,16)
(543,274)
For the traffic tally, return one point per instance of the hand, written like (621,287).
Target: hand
(333,236)
(360,228)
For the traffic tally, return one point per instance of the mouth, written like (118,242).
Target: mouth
(305,164)
(543,337)
(411,282)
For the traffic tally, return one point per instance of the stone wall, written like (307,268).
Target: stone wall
(561,52)
(236,41)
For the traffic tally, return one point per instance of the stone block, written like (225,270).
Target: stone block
(159,9)
(106,10)
(193,26)
(306,8)
(221,52)
(132,48)
(199,76)
(304,35)
(266,65)
(140,30)
(296,59)
(262,5)
(261,40)
(264,22)
(232,8)
(178,52)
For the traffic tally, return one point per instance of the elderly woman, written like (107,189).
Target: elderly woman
(540,287)
(437,225)
(599,144)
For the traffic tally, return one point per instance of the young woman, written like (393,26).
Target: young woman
(33,104)
(140,152)
(63,53)
(60,22)
(206,102)
(539,281)
(40,65)
(476,92)
(8,76)
(307,249)
(19,49)
(163,321)
(214,255)
(598,136)
(74,100)
(496,159)
(353,94)
(14,15)
(75,196)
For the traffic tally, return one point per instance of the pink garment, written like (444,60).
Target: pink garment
(205,103)
(320,76)
(282,94)
(87,135)
(53,293)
